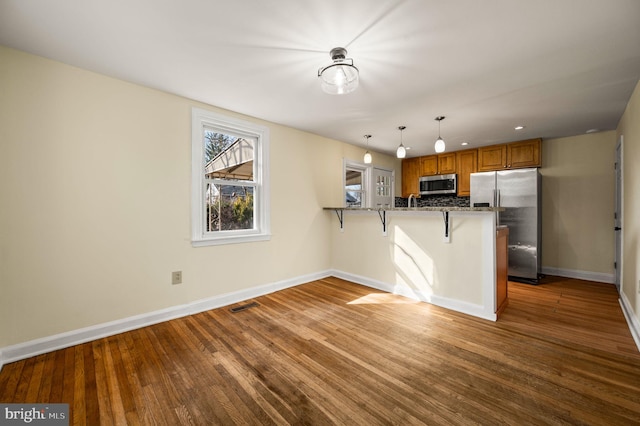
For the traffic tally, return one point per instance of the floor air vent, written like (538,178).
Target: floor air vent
(243,307)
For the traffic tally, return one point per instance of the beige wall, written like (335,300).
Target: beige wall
(578,181)
(95,184)
(629,129)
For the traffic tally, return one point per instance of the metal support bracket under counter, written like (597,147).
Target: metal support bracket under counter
(382,213)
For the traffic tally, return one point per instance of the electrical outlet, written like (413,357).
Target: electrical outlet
(176,277)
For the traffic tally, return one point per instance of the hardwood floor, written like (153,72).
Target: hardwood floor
(575,311)
(333,352)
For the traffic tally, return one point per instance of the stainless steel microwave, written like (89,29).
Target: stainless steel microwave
(438,184)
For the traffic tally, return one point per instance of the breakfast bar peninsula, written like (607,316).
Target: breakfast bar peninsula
(447,256)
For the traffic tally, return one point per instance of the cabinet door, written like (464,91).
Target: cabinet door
(492,157)
(429,165)
(467,164)
(524,154)
(410,176)
(447,163)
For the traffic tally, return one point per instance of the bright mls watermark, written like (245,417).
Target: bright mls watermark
(34,414)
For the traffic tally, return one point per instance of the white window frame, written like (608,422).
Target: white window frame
(366,180)
(201,119)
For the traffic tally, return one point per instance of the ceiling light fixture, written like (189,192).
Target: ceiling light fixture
(341,76)
(519,127)
(440,146)
(367,155)
(401,152)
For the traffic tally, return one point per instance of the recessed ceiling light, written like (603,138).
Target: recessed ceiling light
(464,143)
(593,130)
(519,127)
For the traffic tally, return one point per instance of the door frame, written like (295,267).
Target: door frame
(619,213)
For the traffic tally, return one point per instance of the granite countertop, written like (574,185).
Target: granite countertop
(421,209)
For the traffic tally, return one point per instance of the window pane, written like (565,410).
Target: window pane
(228,207)
(228,157)
(383,186)
(354,198)
(353,188)
(353,177)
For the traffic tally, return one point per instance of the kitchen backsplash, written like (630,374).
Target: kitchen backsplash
(435,201)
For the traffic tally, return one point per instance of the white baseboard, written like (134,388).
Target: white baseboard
(580,275)
(75,337)
(632,320)
(378,285)
(455,305)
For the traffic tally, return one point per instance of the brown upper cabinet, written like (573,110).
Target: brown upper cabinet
(429,165)
(513,155)
(410,176)
(524,154)
(447,163)
(438,164)
(467,164)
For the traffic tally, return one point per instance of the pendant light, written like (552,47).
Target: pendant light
(401,152)
(439,142)
(341,76)
(367,155)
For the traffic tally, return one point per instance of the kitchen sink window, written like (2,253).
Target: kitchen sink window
(229,180)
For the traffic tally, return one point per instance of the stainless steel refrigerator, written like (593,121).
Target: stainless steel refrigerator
(518,191)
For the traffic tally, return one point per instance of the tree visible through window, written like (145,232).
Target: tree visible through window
(215,143)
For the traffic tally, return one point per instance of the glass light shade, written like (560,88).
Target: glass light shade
(440,145)
(367,157)
(401,152)
(339,78)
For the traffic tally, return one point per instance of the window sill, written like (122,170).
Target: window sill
(204,242)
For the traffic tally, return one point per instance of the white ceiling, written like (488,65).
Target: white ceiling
(559,67)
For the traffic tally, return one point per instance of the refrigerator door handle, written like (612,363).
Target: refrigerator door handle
(497,204)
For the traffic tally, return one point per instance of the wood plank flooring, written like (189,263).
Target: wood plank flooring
(334,352)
